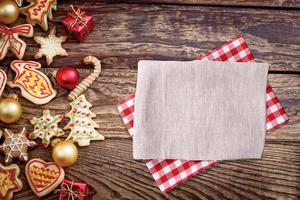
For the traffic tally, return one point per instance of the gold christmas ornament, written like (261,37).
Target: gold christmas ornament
(10,109)
(9,11)
(65,153)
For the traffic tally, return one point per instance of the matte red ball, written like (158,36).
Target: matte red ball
(67,77)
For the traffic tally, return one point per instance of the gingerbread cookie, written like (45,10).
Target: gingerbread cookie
(50,46)
(9,181)
(43,177)
(16,145)
(46,127)
(83,85)
(10,40)
(37,12)
(3,80)
(35,86)
(81,123)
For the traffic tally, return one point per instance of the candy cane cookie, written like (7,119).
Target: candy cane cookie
(83,85)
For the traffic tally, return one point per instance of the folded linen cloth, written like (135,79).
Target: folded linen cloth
(200,110)
(170,173)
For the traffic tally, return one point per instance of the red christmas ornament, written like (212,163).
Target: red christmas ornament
(67,77)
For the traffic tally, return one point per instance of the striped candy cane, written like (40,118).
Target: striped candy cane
(83,85)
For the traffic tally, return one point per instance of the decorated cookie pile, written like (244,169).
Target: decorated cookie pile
(34,85)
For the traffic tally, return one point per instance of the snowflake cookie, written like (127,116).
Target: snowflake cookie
(46,127)
(50,46)
(16,145)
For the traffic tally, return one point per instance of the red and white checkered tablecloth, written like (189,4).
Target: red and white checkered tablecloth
(170,173)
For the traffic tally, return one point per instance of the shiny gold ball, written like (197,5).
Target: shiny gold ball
(10,110)
(65,153)
(9,11)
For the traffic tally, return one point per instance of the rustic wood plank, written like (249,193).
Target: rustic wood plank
(115,175)
(127,33)
(242,3)
(115,84)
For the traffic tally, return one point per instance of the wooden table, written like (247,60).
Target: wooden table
(175,30)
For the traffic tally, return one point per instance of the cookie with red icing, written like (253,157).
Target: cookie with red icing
(46,127)
(82,126)
(9,181)
(43,177)
(34,84)
(3,80)
(38,12)
(10,40)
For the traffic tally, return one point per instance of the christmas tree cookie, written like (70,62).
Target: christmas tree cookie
(81,123)
(9,181)
(46,127)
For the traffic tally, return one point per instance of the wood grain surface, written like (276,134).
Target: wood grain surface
(244,3)
(126,33)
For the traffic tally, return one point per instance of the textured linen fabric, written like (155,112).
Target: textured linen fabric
(200,110)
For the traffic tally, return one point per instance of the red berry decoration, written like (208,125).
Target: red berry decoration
(67,77)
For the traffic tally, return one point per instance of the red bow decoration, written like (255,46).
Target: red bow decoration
(10,39)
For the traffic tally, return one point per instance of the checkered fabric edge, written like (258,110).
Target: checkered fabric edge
(170,173)
(126,110)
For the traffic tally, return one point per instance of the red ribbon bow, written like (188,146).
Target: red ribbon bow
(10,39)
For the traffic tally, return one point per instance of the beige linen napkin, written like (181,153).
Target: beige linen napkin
(200,110)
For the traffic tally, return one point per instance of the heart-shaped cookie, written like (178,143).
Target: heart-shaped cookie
(3,80)
(43,177)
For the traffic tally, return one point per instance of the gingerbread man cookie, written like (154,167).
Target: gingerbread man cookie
(35,86)
(10,40)
(43,177)
(81,123)
(16,145)
(50,46)
(9,181)
(46,127)
(38,11)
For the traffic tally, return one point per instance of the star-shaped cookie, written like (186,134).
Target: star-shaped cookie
(46,127)
(16,145)
(9,181)
(37,12)
(50,46)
